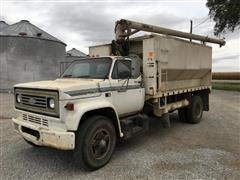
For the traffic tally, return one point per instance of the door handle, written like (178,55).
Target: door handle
(137,82)
(107,94)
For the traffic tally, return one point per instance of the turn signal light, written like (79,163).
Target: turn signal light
(70,106)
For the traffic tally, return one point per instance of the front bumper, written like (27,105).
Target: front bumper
(44,137)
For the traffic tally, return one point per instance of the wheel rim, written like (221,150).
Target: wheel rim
(100,143)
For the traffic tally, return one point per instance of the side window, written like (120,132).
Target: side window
(122,69)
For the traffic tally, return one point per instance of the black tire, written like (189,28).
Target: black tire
(95,143)
(32,144)
(195,110)
(182,114)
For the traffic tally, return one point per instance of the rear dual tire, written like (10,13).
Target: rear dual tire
(193,113)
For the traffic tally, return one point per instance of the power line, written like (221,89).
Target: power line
(201,22)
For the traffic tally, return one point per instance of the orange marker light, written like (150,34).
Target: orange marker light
(151,55)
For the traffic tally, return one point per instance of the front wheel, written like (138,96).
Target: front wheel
(95,143)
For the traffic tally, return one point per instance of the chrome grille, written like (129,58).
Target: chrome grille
(35,120)
(36,101)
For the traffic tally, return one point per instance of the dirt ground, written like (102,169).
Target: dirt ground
(208,150)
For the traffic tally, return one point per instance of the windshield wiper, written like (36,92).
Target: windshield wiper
(67,75)
(86,76)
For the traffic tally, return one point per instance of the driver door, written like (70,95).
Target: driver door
(128,96)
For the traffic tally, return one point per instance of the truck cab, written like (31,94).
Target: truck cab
(54,113)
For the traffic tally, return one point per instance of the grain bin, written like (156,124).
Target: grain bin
(3,24)
(71,55)
(28,53)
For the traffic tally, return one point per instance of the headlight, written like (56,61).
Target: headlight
(51,103)
(18,98)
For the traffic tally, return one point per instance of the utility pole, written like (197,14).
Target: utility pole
(190,29)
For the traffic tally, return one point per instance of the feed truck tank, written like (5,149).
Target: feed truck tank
(169,65)
(171,61)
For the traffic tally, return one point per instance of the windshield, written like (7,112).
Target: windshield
(89,68)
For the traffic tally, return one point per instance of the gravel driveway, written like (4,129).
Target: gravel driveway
(209,150)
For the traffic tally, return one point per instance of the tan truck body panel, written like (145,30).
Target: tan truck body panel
(170,65)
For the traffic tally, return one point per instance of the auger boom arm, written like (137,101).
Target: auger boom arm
(125,28)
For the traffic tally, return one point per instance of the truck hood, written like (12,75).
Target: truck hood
(63,85)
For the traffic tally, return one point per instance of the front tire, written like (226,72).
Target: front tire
(95,143)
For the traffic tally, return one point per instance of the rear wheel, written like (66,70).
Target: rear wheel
(95,143)
(195,110)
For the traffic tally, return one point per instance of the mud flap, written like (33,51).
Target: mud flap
(165,120)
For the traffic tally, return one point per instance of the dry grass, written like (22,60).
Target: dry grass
(226,75)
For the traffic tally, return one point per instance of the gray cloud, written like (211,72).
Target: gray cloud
(81,24)
(227,57)
(87,21)
(96,25)
(94,22)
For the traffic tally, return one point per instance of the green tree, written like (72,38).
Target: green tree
(226,14)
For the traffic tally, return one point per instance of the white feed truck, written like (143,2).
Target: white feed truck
(112,94)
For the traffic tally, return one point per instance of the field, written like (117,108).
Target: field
(228,86)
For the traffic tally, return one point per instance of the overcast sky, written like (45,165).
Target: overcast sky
(84,23)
